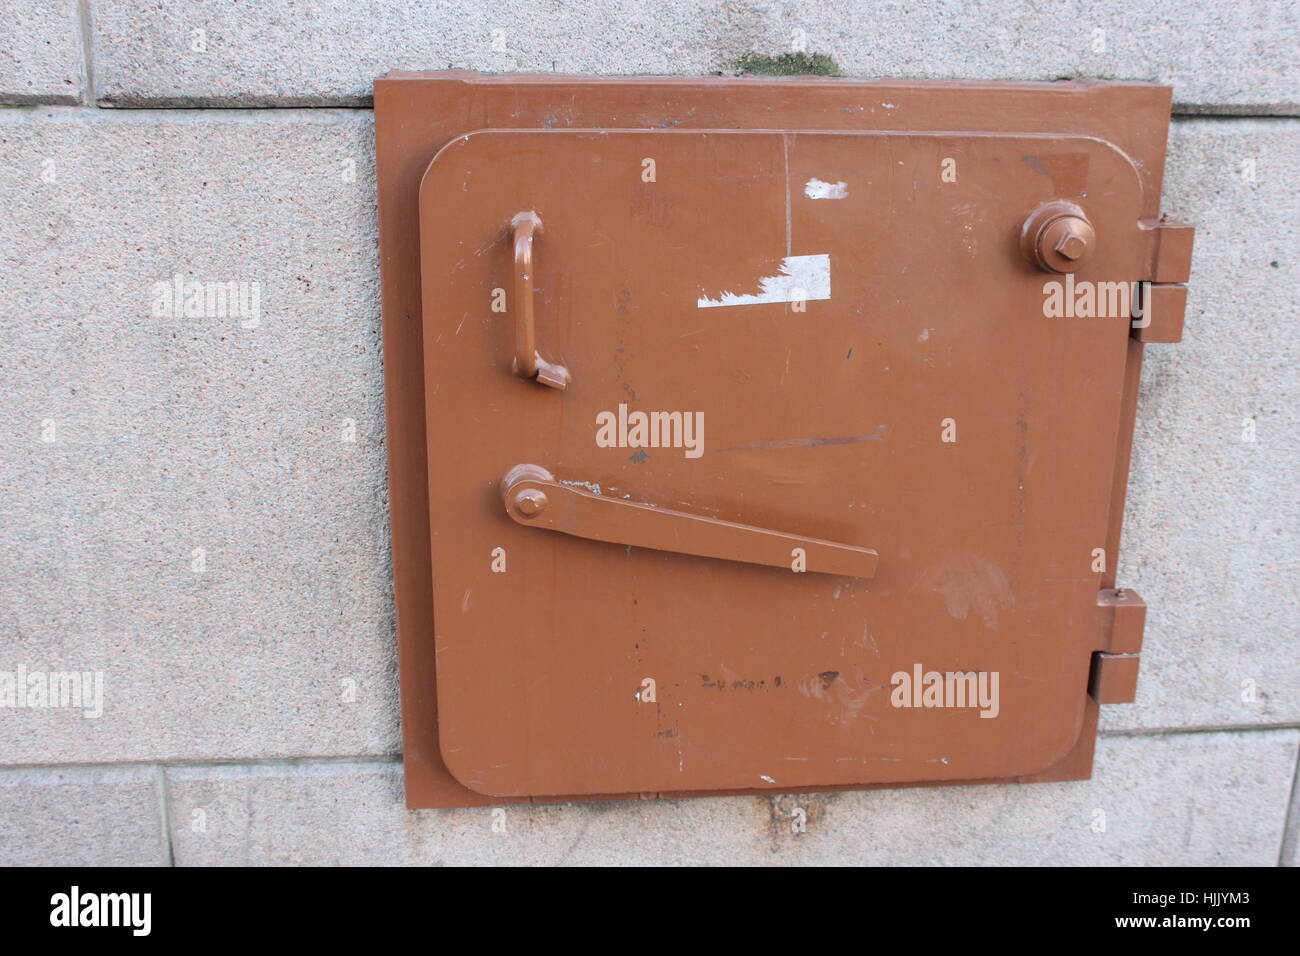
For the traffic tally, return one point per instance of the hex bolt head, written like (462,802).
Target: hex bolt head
(1072,246)
(529,502)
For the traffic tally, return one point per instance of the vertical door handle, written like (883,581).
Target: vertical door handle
(525,227)
(534,498)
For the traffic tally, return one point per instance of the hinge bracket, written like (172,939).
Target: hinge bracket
(1160,305)
(1122,619)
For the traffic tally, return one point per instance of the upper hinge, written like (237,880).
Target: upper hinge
(1122,614)
(1168,249)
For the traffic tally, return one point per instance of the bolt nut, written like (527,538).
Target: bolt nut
(1057,237)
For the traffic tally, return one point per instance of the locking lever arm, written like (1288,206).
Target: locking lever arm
(524,228)
(534,498)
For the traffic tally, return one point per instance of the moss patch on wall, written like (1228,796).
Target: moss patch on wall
(787,64)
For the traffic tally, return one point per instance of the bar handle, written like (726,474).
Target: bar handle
(525,227)
(534,498)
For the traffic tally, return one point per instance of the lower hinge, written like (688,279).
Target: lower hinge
(1114,678)
(1158,312)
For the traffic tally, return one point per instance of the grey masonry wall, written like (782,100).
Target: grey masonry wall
(180,508)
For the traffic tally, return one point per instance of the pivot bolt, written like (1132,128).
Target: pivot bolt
(530,501)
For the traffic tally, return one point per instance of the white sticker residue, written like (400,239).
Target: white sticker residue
(816,189)
(801,279)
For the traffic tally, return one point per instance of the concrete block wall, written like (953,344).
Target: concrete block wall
(196,508)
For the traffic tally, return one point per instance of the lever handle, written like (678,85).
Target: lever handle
(533,497)
(525,227)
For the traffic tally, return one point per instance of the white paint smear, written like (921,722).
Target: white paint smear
(816,189)
(802,278)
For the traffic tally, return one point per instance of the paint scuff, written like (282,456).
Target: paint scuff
(800,279)
(817,189)
(591,486)
(970,582)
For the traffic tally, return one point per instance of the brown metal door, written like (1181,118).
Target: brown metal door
(837,309)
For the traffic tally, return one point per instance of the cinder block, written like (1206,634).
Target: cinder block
(1236,57)
(196,504)
(1210,531)
(1190,799)
(42,52)
(76,817)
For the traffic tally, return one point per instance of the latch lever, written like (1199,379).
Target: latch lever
(533,497)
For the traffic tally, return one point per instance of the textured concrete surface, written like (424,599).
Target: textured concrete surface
(42,52)
(175,435)
(1291,839)
(1179,799)
(1221,57)
(1210,531)
(82,817)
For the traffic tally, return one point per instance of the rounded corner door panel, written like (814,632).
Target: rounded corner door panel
(753,461)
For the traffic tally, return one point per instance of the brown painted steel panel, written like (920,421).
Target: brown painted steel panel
(826,422)
(823,423)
